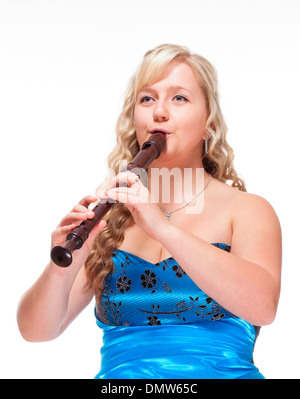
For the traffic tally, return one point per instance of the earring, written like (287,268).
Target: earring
(207,137)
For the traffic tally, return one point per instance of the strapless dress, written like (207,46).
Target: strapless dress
(158,324)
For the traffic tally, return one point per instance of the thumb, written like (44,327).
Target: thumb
(94,232)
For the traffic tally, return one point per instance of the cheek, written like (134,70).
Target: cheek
(140,125)
(194,122)
(138,118)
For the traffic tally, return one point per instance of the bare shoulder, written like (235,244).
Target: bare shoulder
(256,231)
(254,222)
(252,206)
(243,203)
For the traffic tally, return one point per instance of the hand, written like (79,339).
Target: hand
(137,199)
(79,213)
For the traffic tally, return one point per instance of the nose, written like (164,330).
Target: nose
(160,112)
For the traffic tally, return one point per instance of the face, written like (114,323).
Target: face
(176,105)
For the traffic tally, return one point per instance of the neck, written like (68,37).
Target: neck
(175,186)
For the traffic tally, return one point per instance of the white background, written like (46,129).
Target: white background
(64,67)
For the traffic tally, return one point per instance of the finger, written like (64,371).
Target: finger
(124,177)
(121,189)
(86,201)
(115,193)
(76,217)
(59,234)
(66,229)
(89,242)
(123,194)
(134,187)
(97,228)
(82,209)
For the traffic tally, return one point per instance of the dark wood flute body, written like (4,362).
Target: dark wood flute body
(62,255)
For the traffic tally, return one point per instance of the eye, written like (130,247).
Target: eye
(146,99)
(180,98)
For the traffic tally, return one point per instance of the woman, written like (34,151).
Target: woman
(182,281)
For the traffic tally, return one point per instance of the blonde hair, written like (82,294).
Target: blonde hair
(218,160)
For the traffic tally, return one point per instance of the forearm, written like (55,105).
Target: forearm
(43,308)
(244,288)
(59,294)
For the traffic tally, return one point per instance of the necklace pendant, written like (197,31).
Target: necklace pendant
(168,214)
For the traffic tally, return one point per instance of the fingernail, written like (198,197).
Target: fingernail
(133,179)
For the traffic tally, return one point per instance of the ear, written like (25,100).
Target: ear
(206,136)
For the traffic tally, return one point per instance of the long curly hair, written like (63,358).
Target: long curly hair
(218,160)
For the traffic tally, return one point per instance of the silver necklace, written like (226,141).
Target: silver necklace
(169,213)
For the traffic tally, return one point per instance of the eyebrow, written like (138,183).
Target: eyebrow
(170,89)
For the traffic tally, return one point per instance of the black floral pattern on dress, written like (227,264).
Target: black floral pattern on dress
(148,279)
(153,321)
(179,272)
(111,310)
(123,284)
(212,311)
(108,306)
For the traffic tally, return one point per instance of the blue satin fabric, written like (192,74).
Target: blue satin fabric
(157,323)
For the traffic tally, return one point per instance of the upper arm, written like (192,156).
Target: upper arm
(257,234)
(80,296)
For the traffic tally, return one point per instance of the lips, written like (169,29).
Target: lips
(166,132)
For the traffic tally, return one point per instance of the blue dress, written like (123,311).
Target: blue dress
(157,323)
